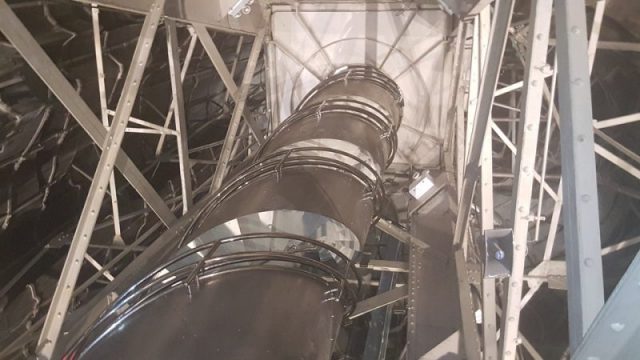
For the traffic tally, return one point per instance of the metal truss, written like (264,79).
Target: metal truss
(575,193)
(477,135)
(108,129)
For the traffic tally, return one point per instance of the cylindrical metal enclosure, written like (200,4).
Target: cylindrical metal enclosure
(265,270)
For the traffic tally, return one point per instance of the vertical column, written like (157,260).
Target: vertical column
(580,213)
(490,341)
(180,115)
(113,189)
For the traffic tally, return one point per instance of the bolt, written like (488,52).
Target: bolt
(546,69)
(588,262)
(617,327)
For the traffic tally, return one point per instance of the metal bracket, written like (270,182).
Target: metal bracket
(498,253)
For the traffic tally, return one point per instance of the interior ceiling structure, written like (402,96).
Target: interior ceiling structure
(521,243)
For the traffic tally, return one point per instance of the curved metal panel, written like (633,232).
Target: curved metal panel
(322,191)
(237,289)
(242,314)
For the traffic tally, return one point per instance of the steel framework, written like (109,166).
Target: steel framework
(481,41)
(576,193)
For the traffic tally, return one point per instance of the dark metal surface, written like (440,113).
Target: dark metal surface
(318,190)
(349,121)
(242,314)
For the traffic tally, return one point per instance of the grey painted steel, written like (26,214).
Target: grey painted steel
(497,42)
(178,105)
(205,12)
(538,41)
(580,195)
(400,234)
(380,320)
(40,62)
(232,131)
(499,32)
(104,116)
(82,236)
(183,74)
(386,265)
(488,285)
(615,331)
(378,301)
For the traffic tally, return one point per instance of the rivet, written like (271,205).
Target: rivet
(575,30)
(585,197)
(580,138)
(588,262)
(617,327)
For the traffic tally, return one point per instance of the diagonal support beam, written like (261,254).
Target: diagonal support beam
(73,263)
(218,62)
(499,32)
(375,302)
(40,62)
(538,42)
(490,73)
(173,49)
(400,234)
(183,75)
(241,99)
